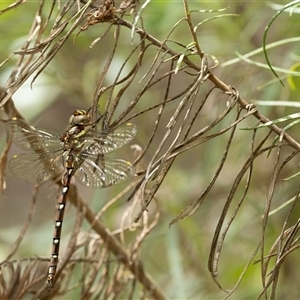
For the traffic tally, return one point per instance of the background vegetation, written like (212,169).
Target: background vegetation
(181,72)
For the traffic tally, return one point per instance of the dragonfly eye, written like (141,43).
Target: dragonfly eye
(80,117)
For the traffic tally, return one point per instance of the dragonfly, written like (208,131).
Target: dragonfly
(80,152)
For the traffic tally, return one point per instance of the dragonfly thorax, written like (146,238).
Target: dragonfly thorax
(70,139)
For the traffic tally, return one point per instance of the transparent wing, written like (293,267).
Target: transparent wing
(30,138)
(102,172)
(35,168)
(97,142)
(92,168)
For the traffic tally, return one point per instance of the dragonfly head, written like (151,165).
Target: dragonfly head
(80,117)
